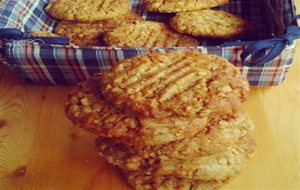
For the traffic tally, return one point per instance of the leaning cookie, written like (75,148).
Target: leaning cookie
(147,34)
(211,24)
(78,10)
(91,33)
(172,6)
(87,108)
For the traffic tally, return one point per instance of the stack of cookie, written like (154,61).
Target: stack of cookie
(168,120)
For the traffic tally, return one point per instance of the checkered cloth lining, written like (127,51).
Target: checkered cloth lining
(66,65)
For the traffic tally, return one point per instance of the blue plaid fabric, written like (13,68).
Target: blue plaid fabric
(68,65)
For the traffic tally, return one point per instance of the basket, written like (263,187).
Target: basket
(40,62)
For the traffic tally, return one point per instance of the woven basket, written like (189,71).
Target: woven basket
(43,63)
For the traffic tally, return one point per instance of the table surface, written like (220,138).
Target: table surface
(39,148)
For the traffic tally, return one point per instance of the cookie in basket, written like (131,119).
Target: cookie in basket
(147,34)
(91,33)
(87,108)
(43,34)
(176,83)
(78,10)
(172,6)
(211,24)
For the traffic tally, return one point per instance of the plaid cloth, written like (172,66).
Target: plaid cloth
(68,65)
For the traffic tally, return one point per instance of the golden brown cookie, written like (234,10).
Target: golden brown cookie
(215,138)
(89,10)
(211,24)
(91,33)
(215,167)
(172,6)
(201,171)
(143,180)
(88,109)
(173,84)
(147,34)
(43,34)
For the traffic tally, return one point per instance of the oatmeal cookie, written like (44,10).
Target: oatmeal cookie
(87,10)
(43,34)
(220,166)
(212,140)
(211,24)
(91,33)
(171,6)
(215,167)
(173,84)
(88,109)
(147,34)
(143,180)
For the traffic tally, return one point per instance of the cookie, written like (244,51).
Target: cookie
(203,172)
(78,10)
(211,24)
(172,6)
(91,33)
(143,180)
(215,167)
(147,34)
(212,140)
(43,34)
(88,109)
(175,84)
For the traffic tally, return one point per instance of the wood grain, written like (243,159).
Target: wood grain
(39,149)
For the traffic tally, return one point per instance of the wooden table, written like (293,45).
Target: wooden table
(40,150)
